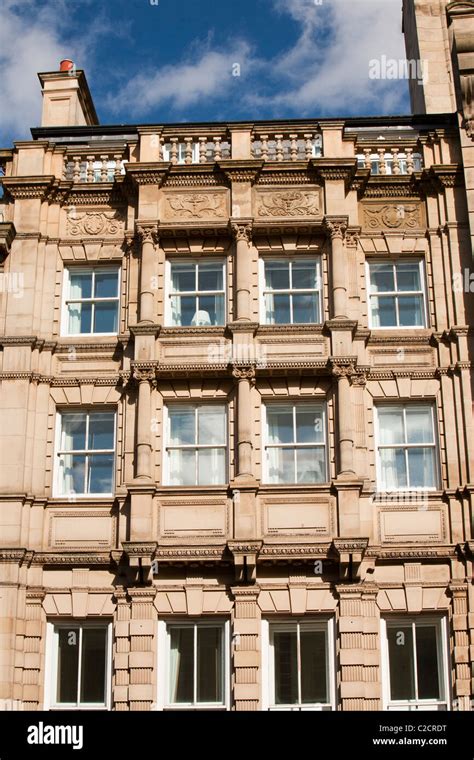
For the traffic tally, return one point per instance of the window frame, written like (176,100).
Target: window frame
(52,661)
(440,622)
(263,290)
(58,452)
(163,702)
(269,625)
(435,445)
(265,445)
(65,300)
(168,313)
(396,294)
(166,446)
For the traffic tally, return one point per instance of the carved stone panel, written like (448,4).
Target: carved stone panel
(94,223)
(194,206)
(287,204)
(393,216)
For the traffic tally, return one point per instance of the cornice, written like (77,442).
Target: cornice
(148,173)
(441,176)
(392,186)
(335,168)
(20,188)
(7,236)
(244,170)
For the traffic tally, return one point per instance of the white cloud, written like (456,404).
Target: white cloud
(185,84)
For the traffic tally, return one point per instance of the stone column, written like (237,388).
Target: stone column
(336,227)
(147,233)
(345,423)
(246,648)
(245,380)
(142,649)
(460,625)
(243,235)
(145,375)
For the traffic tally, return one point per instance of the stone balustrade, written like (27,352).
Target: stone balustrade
(286,145)
(104,166)
(383,160)
(194,149)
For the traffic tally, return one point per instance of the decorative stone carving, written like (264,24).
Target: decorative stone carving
(95,223)
(336,226)
(393,216)
(148,233)
(144,372)
(246,372)
(203,205)
(242,231)
(349,370)
(289,203)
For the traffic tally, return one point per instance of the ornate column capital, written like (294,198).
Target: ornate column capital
(244,372)
(350,370)
(147,232)
(242,230)
(144,371)
(336,226)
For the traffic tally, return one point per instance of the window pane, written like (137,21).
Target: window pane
(101,430)
(281,465)
(210,277)
(181,664)
(421,467)
(305,274)
(209,664)
(68,659)
(79,318)
(280,424)
(390,423)
(101,470)
(410,310)
(309,425)
(393,469)
(183,277)
(181,421)
(184,310)
(80,285)
(278,309)
(305,308)
(182,467)
(408,276)
(106,284)
(277,275)
(400,652)
(73,432)
(211,467)
(383,311)
(210,311)
(313,667)
(286,667)
(105,317)
(211,425)
(93,665)
(72,470)
(419,424)
(381,278)
(310,465)
(427,663)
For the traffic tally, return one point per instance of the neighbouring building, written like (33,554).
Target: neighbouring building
(236,404)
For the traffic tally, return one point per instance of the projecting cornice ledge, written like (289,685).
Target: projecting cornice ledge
(7,236)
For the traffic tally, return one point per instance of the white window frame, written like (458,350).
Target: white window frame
(163,664)
(403,405)
(397,293)
(51,665)
(290,402)
(166,446)
(65,298)
(169,293)
(268,661)
(263,289)
(58,451)
(442,639)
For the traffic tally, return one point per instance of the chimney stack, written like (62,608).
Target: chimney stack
(67,101)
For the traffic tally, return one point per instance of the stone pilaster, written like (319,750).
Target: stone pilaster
(246,647)
(147,233)
(242,230)
(35,630)
(460,628)
(336,227)
(359,648)
(142,649)
(121,651)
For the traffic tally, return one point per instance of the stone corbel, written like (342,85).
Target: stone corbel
(350,553)
(140,557)
(7,236)
(245,555)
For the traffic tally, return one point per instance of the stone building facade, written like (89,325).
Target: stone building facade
(236,399)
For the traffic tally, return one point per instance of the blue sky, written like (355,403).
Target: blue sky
(176,61)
